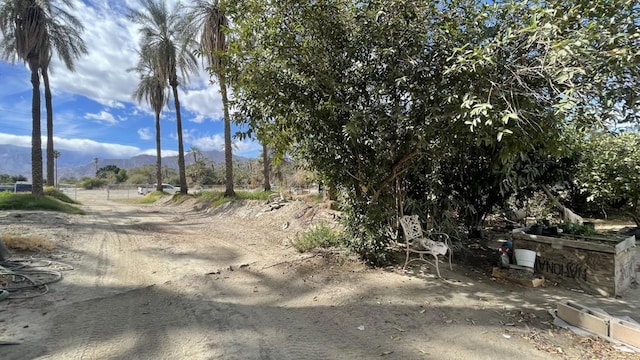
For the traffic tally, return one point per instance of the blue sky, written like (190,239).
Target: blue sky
(93,109)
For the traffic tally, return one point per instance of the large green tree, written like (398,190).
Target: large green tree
(369,92)
(609,171)
(152,90)
(163,37)
(208,18)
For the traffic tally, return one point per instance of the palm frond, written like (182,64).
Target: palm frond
(209,20)
(36,29)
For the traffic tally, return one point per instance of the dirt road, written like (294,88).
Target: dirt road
(171,281)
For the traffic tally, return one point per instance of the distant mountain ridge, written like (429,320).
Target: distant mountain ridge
(16,160)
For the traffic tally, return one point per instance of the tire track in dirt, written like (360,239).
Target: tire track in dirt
(145,323)
(119,320)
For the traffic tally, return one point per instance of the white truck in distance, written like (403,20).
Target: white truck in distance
(144,190)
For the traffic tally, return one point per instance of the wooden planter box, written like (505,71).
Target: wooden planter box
(597,265)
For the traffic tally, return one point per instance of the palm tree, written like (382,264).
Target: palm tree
(65,37)
(56,155)
(168,46)
(24,37)
(31,31)
(195,152)
(209,19)
(95,161)
(152,89)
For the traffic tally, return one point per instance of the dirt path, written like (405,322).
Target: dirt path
(175,282)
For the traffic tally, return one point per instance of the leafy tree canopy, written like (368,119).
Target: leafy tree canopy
(609,173)
(11,179)
(367,92)
(112,173)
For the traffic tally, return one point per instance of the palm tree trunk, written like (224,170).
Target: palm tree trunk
(181,166)
(158,155)
(265,162)
(36,141)
(49,106)
(228,155)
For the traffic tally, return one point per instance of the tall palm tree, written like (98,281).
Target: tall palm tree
(31,31)
(56,155)
(195,152)
(24,38)
(152,89)
(163,38)
(65,37)
(209,20)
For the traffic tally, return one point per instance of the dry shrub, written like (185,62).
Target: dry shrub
(27,243)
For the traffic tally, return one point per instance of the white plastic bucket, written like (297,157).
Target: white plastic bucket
(525,257)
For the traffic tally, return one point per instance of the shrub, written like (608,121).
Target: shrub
(92,183)
(319,236)
(10,201)
(27,243)
(368,227)
(578,229)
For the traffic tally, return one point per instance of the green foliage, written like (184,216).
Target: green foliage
(11,179)
(10,201)
(609,172)
(112,174)
(57,194)
(369,94)
(578,229)
(318,236)
(201,172)
(92,183)
(217,198)
(367,229)
(151,197)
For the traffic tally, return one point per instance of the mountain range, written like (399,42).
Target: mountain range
(16,160)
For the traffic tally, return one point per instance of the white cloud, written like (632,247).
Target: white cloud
(102,116)
(17,140)
(164,153)
(205,103)
(85,146)
(91,146)
(247,147)
(102,74)
(145,134)
(215,142)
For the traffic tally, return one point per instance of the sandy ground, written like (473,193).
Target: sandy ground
(177,281)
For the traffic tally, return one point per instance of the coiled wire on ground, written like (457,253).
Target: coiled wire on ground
(28,278)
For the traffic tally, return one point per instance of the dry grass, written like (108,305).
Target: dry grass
(26,243)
